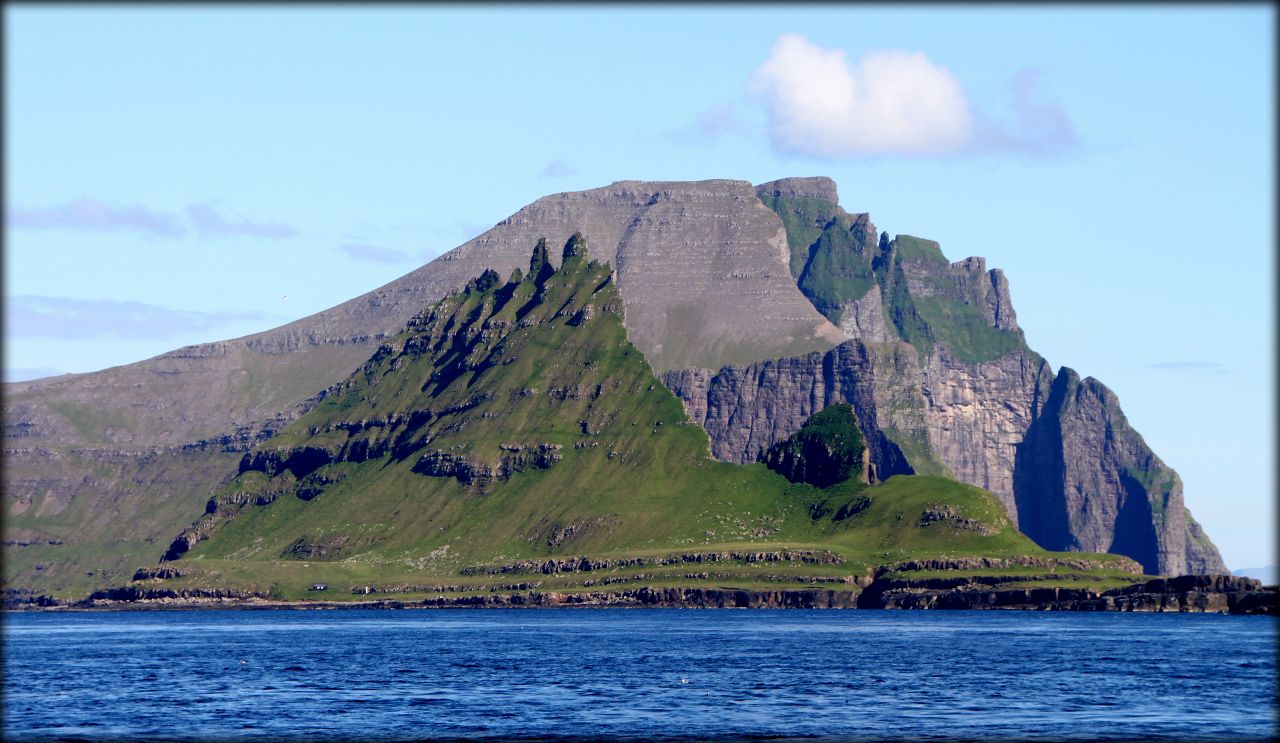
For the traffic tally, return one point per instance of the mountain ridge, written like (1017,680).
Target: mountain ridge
(512,430)
(86,453)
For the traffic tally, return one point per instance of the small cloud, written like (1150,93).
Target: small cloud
(896,103)
(709,126)
(890,102)
(209,223)
(374,253)
(22,374)
(1211,367)
(1038,127)
(91,215)
(558,169)
(71,318)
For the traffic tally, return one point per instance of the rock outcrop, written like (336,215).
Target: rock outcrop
(1221,594)
(1055,449)
(828,449)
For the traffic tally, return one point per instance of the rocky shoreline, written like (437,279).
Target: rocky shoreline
(1220,594)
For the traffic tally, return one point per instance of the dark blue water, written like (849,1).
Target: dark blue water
(637,673)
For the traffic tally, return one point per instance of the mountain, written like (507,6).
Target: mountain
(512,430)
(759,306)
(942,380)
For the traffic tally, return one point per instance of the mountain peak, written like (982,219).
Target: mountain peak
(540,262)
(815,187)
(576,247)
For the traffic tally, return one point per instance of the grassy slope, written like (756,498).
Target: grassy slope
(107,512)
(102,533)
(834,265)
(954,319)
(516,364)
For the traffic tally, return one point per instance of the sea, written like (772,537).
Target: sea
(636,674)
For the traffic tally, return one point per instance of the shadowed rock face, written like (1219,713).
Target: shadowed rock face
(748,409)
(828,449)
(941,382)
(726,293)
(702,268)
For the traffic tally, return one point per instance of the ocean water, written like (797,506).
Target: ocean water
(641,674)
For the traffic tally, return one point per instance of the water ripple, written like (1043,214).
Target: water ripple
(637,674)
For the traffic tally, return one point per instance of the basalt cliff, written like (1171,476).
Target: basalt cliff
(759,307)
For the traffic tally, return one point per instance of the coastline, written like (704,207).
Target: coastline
(1184,594)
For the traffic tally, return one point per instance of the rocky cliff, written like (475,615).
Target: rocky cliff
(762,305)
(941,381)
(702,268)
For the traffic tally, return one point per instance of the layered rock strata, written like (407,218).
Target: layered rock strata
(739,294)
(941,381)
(702,268)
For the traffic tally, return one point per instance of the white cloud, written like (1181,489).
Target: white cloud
(897,103)
(891,102)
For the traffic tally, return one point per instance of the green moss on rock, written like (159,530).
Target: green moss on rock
(828,449)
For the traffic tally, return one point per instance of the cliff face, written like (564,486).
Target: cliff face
(941,381)
(759,305)
(1055,449)
(702,268)
(1085,480)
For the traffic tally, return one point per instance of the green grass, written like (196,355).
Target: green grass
(834,266)
(839,269)
(804,220)
(107,532)
(921,251)
(827,449)
(965,331)
(544,362)
(899,305)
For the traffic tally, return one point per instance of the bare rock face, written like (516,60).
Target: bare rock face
(941,416)
(1086,480)
(759,306)
(747,409)
(864,318)
(702,268)
(976,415)
(942,382)
(1054,449)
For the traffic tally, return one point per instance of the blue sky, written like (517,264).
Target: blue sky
(189,173)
